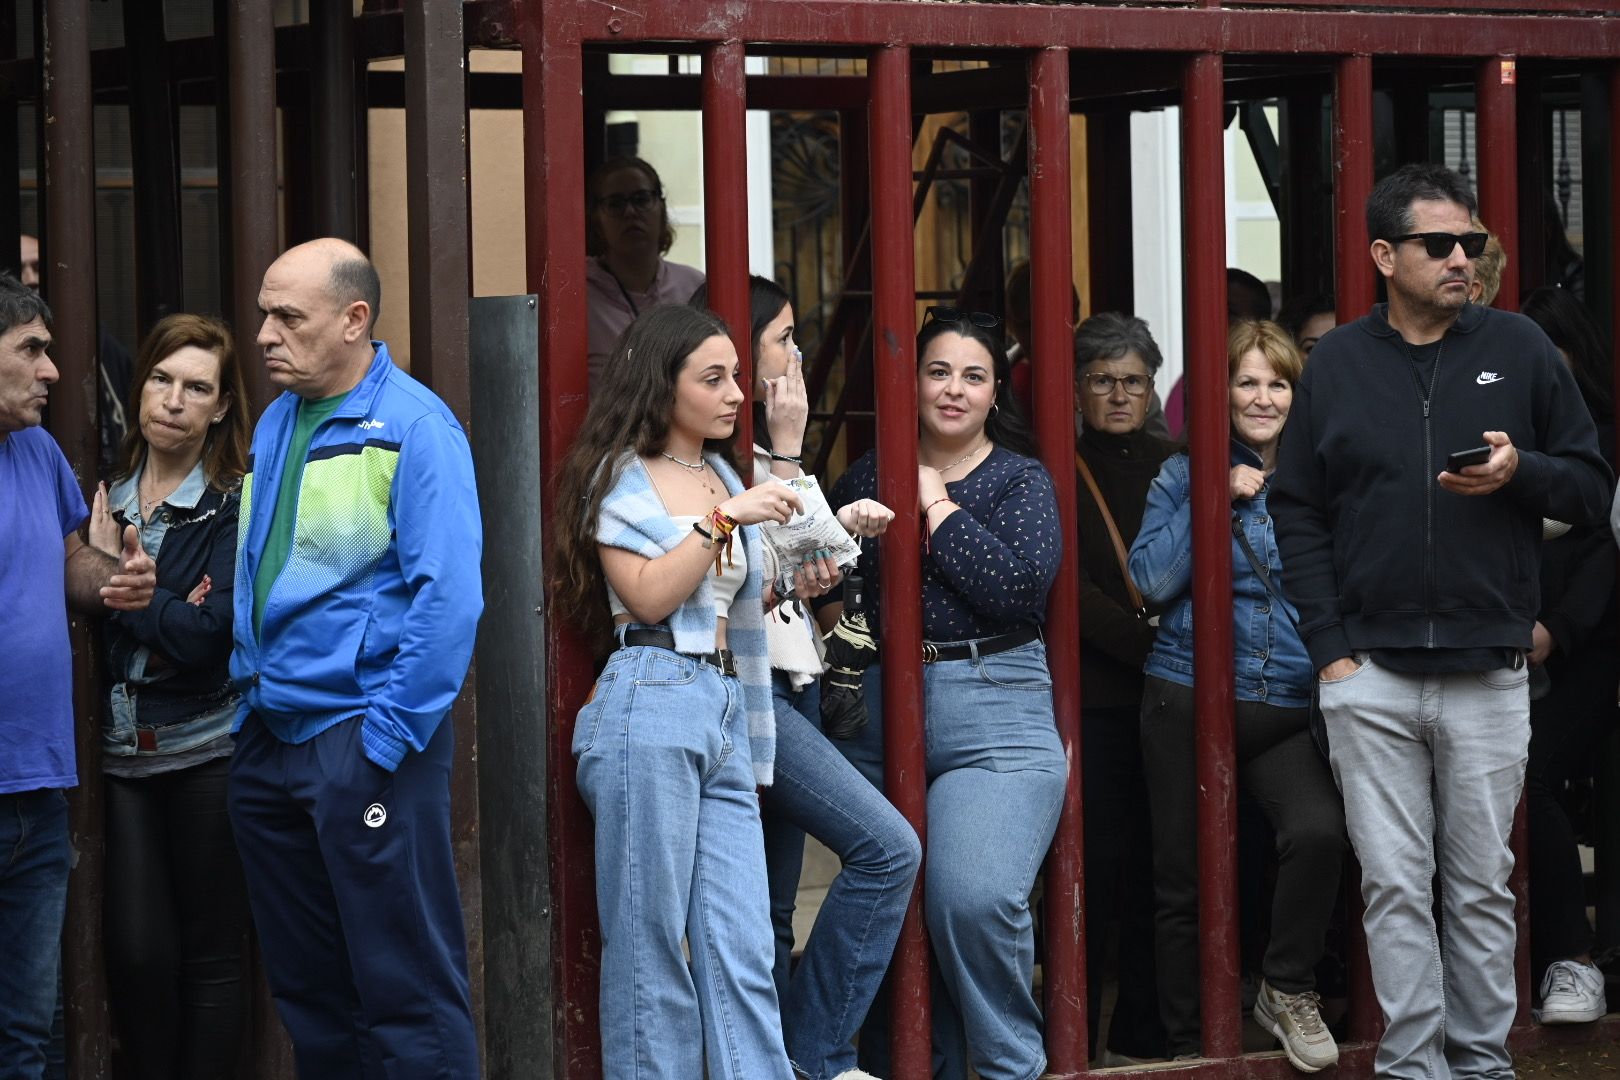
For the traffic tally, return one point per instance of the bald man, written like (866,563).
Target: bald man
(356,608)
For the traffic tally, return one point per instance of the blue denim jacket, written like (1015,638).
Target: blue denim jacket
(1270,662)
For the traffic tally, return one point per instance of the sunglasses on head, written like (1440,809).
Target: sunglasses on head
(1439,244)
(941,313)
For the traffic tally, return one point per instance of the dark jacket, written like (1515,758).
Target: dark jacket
(191,643)
(1114,639)
(1376,553)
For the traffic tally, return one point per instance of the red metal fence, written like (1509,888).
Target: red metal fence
(891,35)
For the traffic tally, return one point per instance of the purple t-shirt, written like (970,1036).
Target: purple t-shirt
(40,504)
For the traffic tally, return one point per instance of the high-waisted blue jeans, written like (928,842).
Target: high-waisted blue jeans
(665,768)
(818,792)
(996,774)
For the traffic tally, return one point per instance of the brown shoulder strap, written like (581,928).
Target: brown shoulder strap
(1084,470)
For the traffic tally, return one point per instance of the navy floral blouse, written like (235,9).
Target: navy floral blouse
(990,564)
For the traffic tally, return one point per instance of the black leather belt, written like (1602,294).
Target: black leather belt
(659,638)
(933,654)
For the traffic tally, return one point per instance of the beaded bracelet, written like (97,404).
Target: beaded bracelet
(799,461)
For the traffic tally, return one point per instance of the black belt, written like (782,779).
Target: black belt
(659,638)
(933,654)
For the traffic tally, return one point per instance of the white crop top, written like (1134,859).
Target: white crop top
(726,586)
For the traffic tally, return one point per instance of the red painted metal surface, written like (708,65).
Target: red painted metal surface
(1137,29)
(725,197)
(1497,148)
(1202,124)
(1354,282)
(251,53)
(1051,281)
(554,197)
(894,359)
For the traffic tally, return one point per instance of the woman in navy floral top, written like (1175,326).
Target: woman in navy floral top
(996,770)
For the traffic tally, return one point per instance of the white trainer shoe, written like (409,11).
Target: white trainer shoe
(1571,993)
(1296,1020)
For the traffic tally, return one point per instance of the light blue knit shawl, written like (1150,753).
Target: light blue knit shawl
(633,518)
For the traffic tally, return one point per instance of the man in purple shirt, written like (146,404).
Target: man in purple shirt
(42,563)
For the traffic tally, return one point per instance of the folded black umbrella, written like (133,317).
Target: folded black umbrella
(851,649)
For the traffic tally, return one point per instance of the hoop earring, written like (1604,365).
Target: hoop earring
(995,408)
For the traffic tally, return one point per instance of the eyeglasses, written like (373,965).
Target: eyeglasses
(640,200)
(1439,244)
(1102,384)
(940,313)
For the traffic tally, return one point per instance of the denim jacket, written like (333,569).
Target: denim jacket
(1270,662)
(168,681)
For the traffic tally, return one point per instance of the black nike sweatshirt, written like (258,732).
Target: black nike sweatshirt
(1376,554)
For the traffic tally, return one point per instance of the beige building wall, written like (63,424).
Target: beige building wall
(496,139)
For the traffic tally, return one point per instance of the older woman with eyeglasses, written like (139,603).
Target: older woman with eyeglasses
(627,235)
(1116,460)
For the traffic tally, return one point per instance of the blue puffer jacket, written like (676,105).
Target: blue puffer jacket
(1270,664)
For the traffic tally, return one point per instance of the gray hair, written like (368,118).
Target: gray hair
(1110,335)
(20,305)
(356,279)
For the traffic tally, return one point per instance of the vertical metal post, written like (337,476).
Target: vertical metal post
(1108,211)
(1051,283)
(1496,134)
(1354,289)
(437,227)
(894,364)
(725,214)
(331,99)
(1203,121)
(69,188)
(554,195)
(252,74)
(156,163)
(1354,294)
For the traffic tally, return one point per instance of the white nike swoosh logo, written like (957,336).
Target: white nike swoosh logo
(1486,378)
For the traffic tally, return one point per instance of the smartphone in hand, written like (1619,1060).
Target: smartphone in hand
(1457,462)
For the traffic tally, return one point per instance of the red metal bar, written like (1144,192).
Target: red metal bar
(254,237)
(70,284)
(1355,287)
(894,363)
(1202,124)
(554,195)
(438,230)
(1497,150)
(1496,127)
(1104,28)
(1051,281)
(725,210)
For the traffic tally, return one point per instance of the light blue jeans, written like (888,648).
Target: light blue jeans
(34,858)
(818,792)
(664,765)
(996,775)
(1431,767)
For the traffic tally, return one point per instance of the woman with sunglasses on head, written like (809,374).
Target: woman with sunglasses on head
(816,790)
(627,235)
(176,910)
(1116,459)
(1278,761)
(995,767)
(679,728)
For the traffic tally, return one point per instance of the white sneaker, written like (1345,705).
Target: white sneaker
(1571,993)
(854,1074)
(1296,1020)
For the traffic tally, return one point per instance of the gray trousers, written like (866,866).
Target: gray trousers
(1431,767)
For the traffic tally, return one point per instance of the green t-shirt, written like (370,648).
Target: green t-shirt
(277,546)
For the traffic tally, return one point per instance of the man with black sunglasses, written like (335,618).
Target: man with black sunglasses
(1416,583)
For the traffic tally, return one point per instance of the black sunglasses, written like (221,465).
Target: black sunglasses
(640,200)
(1439,244)
(941,313)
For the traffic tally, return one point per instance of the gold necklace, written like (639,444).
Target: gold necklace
(964,457)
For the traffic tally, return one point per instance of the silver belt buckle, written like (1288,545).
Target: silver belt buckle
(930,653)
